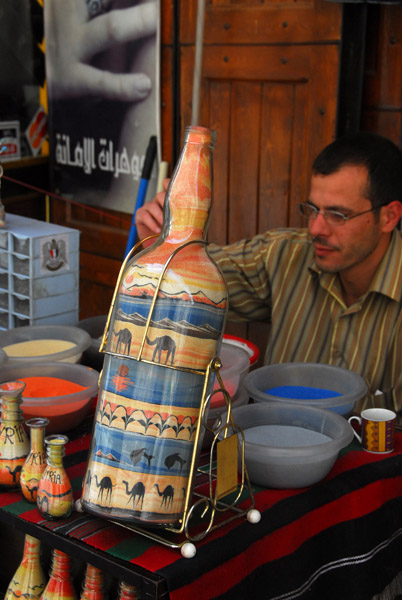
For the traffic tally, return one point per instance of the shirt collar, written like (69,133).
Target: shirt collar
(388,278)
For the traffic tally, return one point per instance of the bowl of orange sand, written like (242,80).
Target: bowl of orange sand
(61,392)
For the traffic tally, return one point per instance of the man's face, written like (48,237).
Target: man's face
(352,246)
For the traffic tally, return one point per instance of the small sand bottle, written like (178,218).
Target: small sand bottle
(14,442)
(92,587)
(60,585)
(29,580)
(128,592)
(55,494)
(35,462)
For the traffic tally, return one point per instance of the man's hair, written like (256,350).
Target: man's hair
(381,157)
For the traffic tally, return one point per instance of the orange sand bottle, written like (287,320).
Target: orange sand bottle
(60,585)
(92,586)
(127,592)
(55,495)
(35,462)
(29,580)
(14,442)
(164,331)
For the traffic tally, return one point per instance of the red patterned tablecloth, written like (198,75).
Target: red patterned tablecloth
(342,533)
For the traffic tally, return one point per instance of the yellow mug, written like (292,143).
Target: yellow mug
(377,429)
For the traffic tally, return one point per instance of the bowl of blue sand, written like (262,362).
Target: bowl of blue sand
(313,384)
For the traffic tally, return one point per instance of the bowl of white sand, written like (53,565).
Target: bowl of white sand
(60,343)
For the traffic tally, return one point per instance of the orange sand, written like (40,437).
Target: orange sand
(49,387)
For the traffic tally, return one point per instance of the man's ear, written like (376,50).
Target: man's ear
(391,215)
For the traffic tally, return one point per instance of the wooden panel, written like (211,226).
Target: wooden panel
(384,58)
(167,104)
(244,159)
(271,120)
(276,145)
(261,23)
(279,63)
(387,123)
(382,100)
(219,115)
(167,21)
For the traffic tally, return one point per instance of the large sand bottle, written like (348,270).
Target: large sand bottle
(166,327)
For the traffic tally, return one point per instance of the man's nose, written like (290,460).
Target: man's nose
(318,226)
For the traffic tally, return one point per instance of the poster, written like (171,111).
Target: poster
(102,70)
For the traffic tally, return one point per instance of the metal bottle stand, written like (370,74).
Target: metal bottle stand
(192,526)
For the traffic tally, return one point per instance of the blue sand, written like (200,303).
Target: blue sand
(301,392)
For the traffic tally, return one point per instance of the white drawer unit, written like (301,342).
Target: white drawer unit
(39,273)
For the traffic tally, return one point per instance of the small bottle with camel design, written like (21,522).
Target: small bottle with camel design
(35,462)
(55,495)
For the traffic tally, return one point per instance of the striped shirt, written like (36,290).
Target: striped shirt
(273,277)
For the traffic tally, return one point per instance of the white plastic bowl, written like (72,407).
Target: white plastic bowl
(235,364)
(238,342)
(64,411)
(288,446)
(31,336)
(348,384)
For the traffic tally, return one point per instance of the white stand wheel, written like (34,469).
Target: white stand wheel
(188,550)
(253,516)
(78,506)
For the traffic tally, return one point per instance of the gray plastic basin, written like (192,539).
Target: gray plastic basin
(350,385)
(289,460)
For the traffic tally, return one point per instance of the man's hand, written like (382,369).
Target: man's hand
(149,218)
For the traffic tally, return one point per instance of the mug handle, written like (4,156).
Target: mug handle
(358,419)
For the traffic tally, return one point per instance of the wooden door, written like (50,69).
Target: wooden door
(269,89)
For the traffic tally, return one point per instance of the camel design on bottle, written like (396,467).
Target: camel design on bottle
(167,494)
(105,484)
(164,343)
(123,340)
(138,489)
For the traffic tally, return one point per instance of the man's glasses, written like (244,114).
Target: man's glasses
(332,217)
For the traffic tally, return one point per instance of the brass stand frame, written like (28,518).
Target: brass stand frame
(210,504)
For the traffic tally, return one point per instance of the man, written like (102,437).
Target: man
(333,291)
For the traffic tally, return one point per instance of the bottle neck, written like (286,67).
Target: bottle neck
(93,579)
(60,565)
(188,198)
(31,549)
(127,592)
(55,448)
(37,428)
(37,435)
(9,415)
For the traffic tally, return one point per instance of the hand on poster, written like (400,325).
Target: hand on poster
(79,30)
